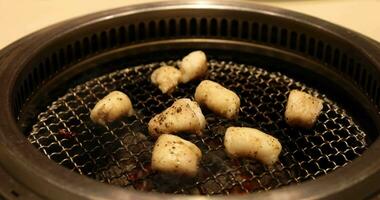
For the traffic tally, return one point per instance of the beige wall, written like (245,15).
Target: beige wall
(20,17)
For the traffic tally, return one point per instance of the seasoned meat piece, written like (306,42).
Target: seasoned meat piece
(166,78)
(302,109)
(172,154)
(183,116)
(193,66)
(250,142)
(218,99)
(113,106)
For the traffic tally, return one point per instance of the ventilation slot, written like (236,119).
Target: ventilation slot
(311,49)
(142,31)
(24,91)
(122,35)
(203,27)
(320,48)
(363,78)
(55,63)
(245,30)
(94,43)
(264,33)
(293,40)
(374,90)
(69,51)
(234,28)
(47,67)
(131,33)
(274,35)
(77,50)
(103,40)
(224,28)
(351,69)
(255,31)
(17,104)
(183,27)
(336,58)
(343,64)
(61,58)
(193,26)
(357,73)
(368,86)
(41,72)
(302,43)
(172,28)
(37,78)
(86,46)
(284,37)
(113,38)
(162,28)
(328,54)
(19,100)
(30,84)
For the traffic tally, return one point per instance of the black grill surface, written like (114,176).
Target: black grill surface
(120,153)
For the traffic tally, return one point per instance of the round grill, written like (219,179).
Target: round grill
(50,80)
(120,153)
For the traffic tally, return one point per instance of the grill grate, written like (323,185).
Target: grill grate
(120,153)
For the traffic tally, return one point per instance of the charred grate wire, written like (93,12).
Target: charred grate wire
(120,153)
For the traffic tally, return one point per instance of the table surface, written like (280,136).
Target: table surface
(21,17)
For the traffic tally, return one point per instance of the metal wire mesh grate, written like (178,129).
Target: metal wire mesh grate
(120,153)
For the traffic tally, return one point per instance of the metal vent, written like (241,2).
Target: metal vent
(304,42)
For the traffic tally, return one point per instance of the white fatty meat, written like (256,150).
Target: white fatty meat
(112,107)
(193,66)
(302,109)
(166,78)
(218,99)
(250,142)
(172,154)
(183,115)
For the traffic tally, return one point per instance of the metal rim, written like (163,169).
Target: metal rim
(24,162)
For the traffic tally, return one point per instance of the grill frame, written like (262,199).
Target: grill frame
(23,161)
